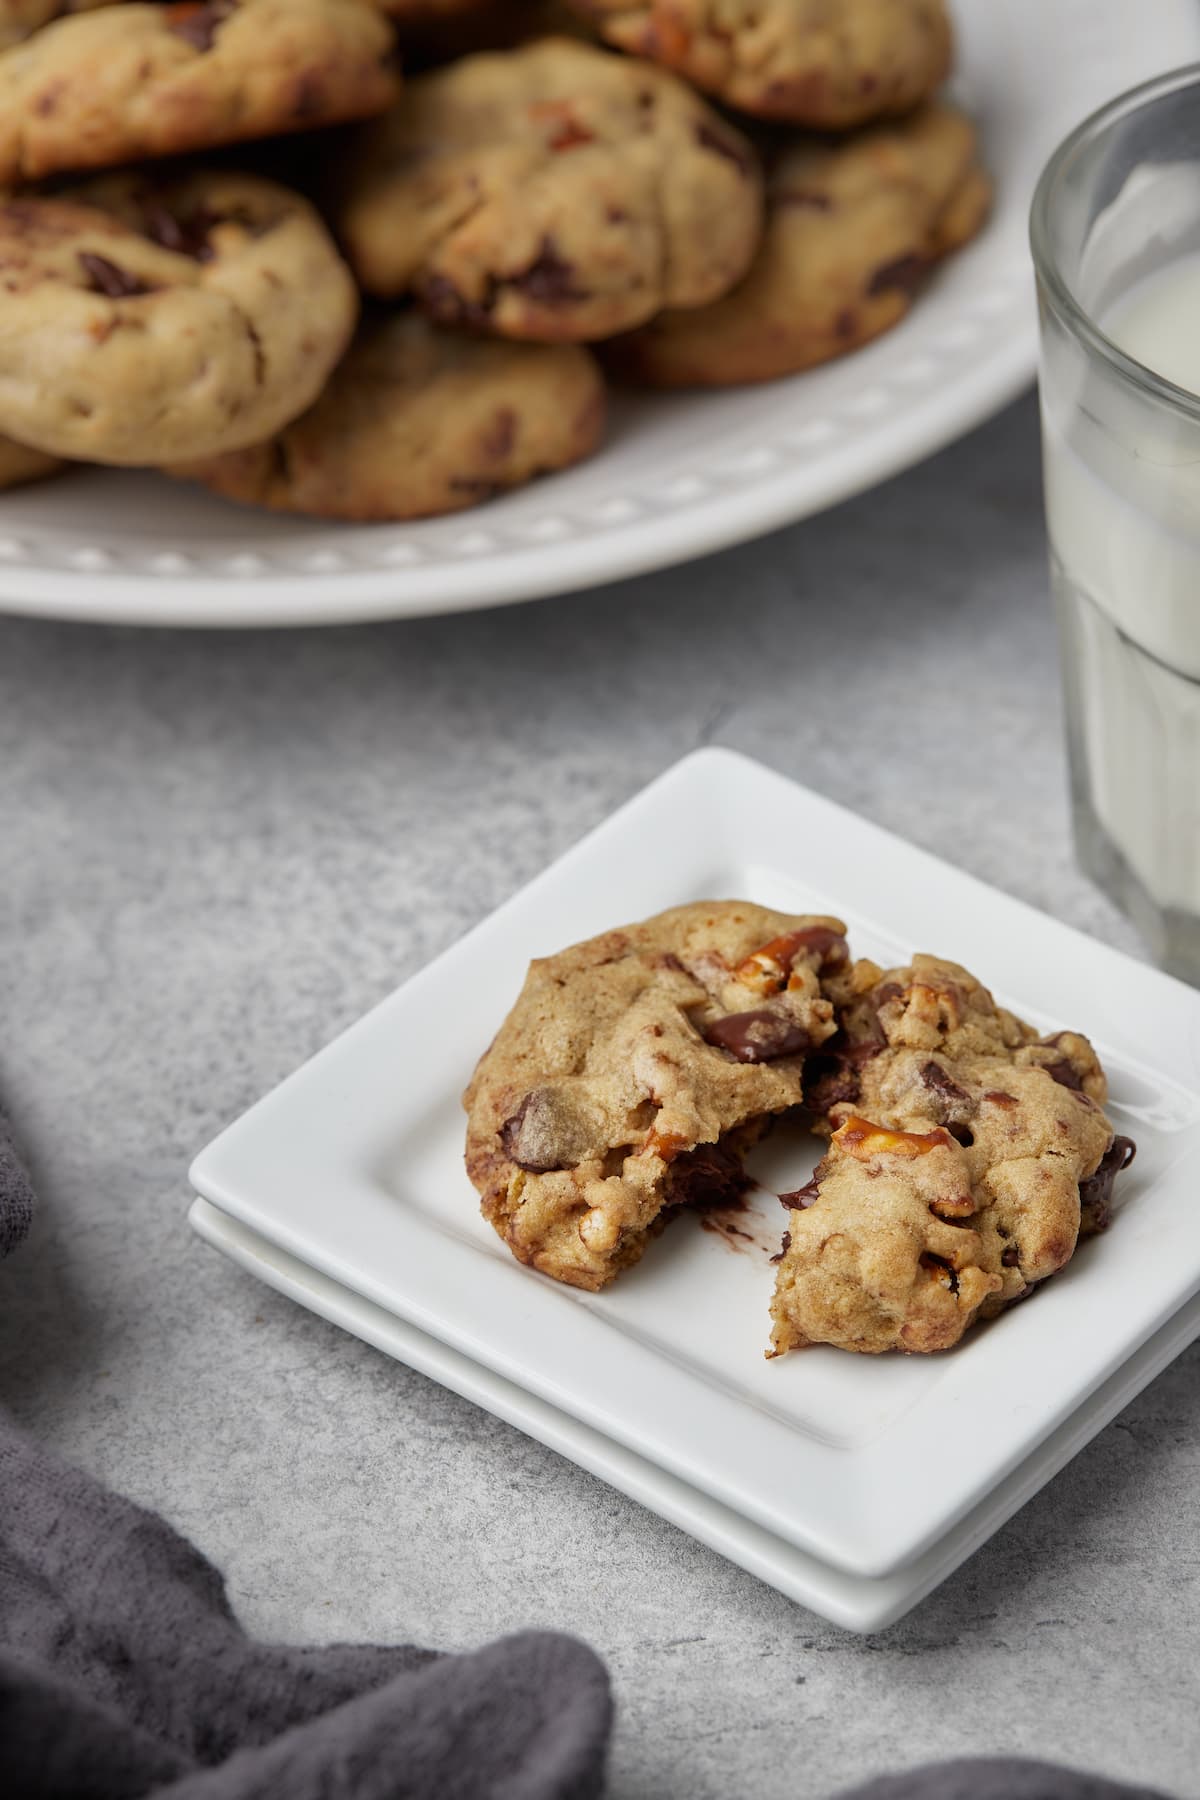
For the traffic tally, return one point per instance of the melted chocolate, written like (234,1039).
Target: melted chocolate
(829,1081)
(1065,1075)
(830,946)
(550,278)
(720,145)
(1095,1192)
(936,1078)
(801,1197)
(185,236)
(929,1261)
(709,1175)
(758,1036)
(105,277)
(443,301)
(831,1074)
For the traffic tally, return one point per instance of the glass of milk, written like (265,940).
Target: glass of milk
(1116,241)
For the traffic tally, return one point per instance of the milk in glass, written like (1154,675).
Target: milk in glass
(1123,510)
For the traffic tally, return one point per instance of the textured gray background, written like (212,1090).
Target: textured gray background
(217,851)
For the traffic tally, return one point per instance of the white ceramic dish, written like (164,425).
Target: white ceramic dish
(354,1166)
(857,1602)
(680,476)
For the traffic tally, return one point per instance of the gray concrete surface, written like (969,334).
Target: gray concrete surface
(217,851)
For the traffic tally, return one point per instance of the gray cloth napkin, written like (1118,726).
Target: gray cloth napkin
(123,1673)
(16,1191)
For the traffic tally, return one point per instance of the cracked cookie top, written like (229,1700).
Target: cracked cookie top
(133,81)
(819,63)
(143,320)
(552,191)
(634,1068)
(852,230)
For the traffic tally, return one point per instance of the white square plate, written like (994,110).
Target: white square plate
(859,1602)
(354,1166)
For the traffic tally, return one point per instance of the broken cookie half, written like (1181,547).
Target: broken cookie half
(967,1156)
(635,1070)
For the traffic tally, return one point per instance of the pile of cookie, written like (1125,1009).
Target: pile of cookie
(966,1155)
(403,295)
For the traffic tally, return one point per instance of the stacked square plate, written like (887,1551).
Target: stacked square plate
(853,1484)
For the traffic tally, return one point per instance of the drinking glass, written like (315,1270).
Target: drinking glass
(1119,203)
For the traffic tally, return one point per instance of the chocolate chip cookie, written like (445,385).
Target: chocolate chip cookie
(633,1071)
(145,321)
(966,1156)
(417,420)
(553,192)
(19,464)
(135,81)
(820,63)
(19,19)
(852,229)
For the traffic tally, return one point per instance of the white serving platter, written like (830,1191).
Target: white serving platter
(353,1166)
(858,1603)
(680,475)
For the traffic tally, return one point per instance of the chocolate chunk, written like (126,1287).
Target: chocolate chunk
(709,1175)
(887,990)
(1065,1075)
(197,21)
(905,273)
(784,1247)
(829,946)
(1011,1256)
(1095,1192)
(801,1197)
(962,1134)
(549,279)
(720,145)
(929,1261)
(831,1075)
(500,436)
(442,301)
(830,1081)
(758,1036)
(936,1078)
(185,236)
(105,277)
(532,1136)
